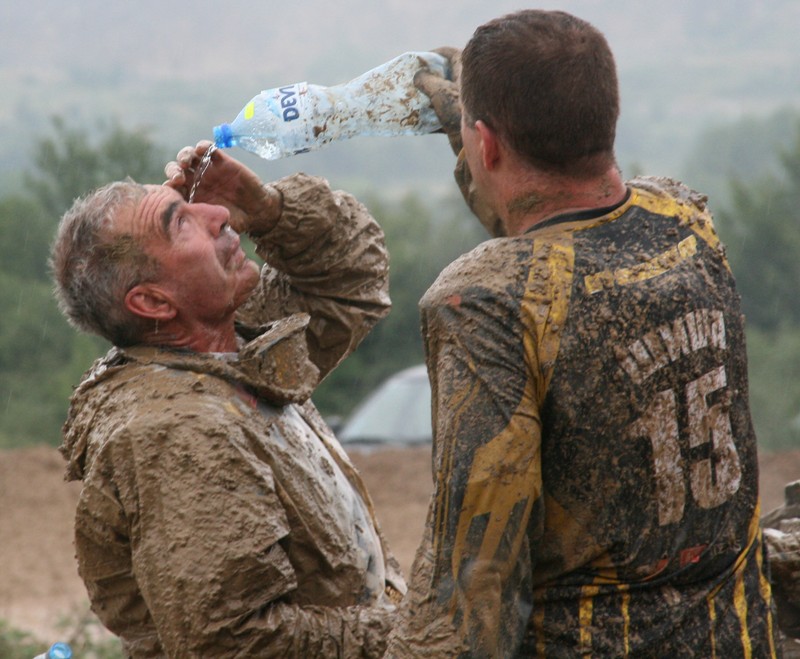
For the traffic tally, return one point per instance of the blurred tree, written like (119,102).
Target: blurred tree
(422,239)
(74,161)
(735,151)
(761,229)
(774,362)
(41,357)
(762,232)
(25,234)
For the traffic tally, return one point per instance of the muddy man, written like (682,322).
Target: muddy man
(596,484)
(218,515)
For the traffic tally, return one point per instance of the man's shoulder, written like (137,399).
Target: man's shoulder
(121,393)
(126,406)
(121,371)
(492,268)
(665,187)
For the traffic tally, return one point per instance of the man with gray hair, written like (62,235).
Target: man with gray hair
(218,515)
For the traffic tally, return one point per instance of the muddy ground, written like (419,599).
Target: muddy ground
(39,586)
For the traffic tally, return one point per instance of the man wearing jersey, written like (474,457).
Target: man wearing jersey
(596,485)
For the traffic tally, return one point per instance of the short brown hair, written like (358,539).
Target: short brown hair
(94,266)
(546,83)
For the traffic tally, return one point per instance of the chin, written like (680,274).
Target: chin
(248,282)
(251,265)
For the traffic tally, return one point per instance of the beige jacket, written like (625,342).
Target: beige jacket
(219,516)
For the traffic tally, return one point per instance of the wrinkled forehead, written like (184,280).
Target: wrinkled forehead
(147,214)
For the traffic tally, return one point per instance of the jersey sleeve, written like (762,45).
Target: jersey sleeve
(471,581)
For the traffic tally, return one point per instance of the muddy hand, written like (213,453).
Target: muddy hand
(453,55)
(444,95)
(180,172)
(254,207)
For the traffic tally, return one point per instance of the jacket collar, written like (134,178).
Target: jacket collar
(275,363)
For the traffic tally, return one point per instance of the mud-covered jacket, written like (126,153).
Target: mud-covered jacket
(219,516)
(594,459)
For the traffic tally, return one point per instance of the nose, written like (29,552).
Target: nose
(217,218)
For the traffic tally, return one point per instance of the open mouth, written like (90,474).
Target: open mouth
(235,255)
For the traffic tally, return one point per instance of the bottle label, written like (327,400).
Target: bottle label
(287,102)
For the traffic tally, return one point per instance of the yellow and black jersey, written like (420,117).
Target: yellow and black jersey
(595,461)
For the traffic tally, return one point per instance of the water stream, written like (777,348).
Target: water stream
(205,161)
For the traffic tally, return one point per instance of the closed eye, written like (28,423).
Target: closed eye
(168,216)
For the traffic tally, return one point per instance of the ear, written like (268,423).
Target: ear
(489,145)
(150,301)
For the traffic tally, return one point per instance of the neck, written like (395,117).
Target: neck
(533,196)
(200,338)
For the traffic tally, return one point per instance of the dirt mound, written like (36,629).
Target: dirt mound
(39,585)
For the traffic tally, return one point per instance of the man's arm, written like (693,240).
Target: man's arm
(445,99)
(470,588)
(325,256)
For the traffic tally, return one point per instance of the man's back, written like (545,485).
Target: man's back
(648,447)
(609,492)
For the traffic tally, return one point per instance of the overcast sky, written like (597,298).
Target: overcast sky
(682,63)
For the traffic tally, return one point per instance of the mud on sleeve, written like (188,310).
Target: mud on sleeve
(206,533)
(474,576)
(325,256)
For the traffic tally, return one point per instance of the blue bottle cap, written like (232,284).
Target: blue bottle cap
(223,136)
(59,651)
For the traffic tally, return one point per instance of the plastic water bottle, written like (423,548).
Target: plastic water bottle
(302,117)
(56,651)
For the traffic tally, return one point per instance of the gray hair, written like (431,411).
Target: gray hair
(94,266)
